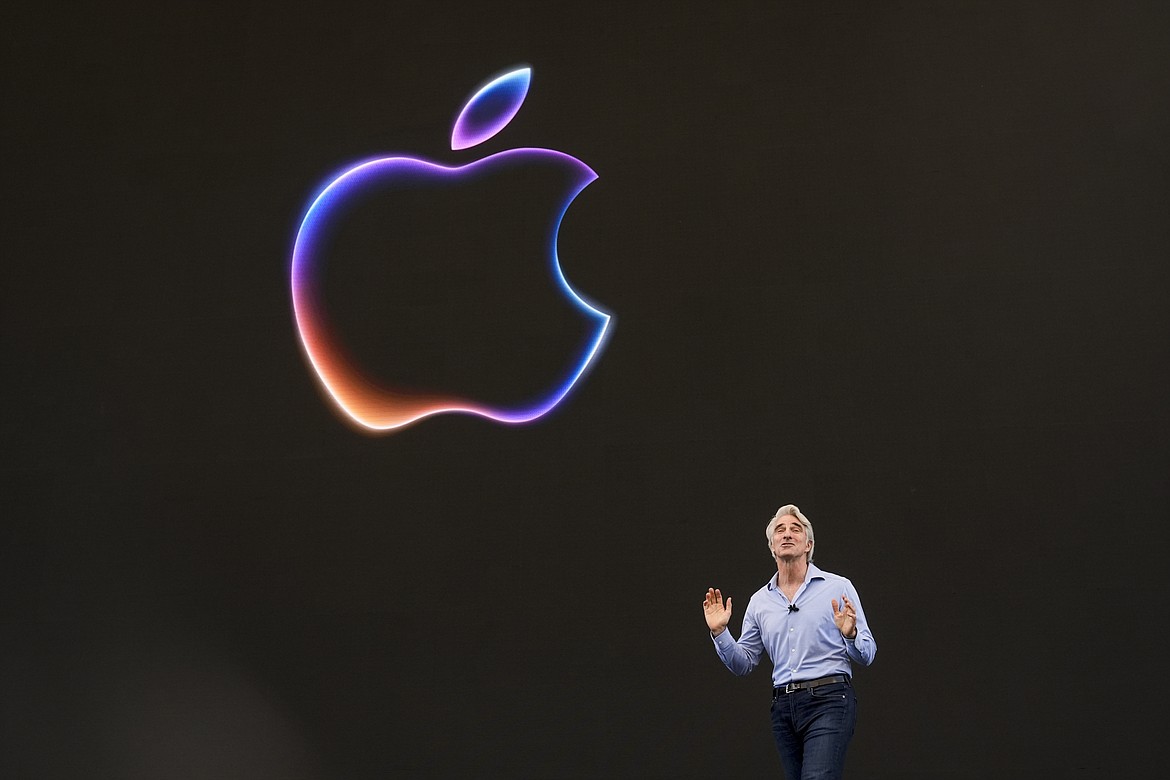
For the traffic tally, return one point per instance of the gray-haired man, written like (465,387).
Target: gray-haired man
(812,626)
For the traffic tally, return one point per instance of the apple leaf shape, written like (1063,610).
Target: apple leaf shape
(491,108)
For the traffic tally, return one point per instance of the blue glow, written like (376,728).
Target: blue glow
(490,109)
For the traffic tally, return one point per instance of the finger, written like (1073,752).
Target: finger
(835,610)
(729,604)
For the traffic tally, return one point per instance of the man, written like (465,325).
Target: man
(812,626)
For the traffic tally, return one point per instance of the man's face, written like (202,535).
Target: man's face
(789,539)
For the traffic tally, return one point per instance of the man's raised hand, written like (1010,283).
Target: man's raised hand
(716,611)
(845,617)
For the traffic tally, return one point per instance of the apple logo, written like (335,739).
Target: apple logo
(415,188)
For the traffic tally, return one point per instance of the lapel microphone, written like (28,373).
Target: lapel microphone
(793,608)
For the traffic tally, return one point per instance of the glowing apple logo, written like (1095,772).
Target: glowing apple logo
(377,405)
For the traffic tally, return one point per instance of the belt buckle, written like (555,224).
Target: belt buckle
(791,687)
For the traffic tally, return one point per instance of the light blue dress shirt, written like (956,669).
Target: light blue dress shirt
(803,645)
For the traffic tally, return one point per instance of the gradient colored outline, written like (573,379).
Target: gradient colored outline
(490,109)
(381,409)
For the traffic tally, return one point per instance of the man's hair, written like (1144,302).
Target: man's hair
(794,511)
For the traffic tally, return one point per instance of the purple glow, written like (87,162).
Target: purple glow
(383,408)
(490,109)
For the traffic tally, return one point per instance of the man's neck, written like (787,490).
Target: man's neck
(791,571)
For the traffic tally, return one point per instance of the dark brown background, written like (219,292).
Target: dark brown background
(903,264)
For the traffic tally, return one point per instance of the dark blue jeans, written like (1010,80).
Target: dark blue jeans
(812,728)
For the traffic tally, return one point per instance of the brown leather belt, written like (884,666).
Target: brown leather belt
(798,686)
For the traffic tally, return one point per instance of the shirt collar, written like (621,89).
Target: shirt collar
(813,573)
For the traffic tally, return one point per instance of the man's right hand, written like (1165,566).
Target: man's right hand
(716,611)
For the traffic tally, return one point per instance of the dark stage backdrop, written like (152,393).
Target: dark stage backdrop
(902,264)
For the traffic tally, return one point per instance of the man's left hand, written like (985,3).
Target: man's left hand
(845,616)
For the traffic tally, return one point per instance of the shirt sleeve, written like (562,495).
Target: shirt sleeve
(742,656)
(861,648)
